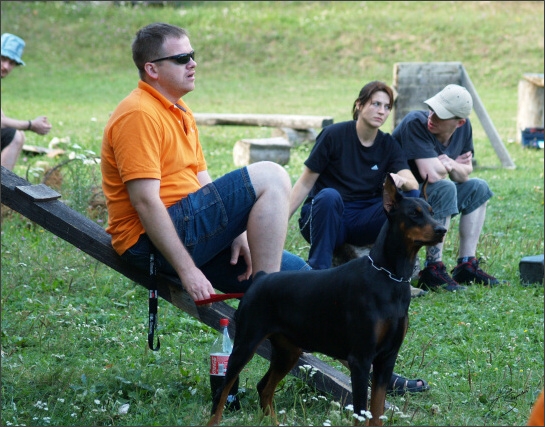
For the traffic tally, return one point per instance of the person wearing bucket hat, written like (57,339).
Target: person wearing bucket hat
(12,48)
(439,144)
(13,136)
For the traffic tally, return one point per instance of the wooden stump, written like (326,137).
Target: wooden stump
(296,137)
(530,103)
(248,151)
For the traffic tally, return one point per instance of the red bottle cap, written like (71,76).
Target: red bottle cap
(224,322)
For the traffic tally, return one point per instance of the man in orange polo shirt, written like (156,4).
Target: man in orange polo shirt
(160,196)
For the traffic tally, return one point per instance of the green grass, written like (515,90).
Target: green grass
(74,331)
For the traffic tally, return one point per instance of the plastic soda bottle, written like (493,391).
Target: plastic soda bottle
(219,358)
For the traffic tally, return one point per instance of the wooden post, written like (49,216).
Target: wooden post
(486,122)
(530,103)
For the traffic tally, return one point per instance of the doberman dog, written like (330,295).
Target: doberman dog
(357,312)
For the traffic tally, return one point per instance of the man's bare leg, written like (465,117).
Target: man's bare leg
(11,153)
(471,226)
(435,253)
(268,221)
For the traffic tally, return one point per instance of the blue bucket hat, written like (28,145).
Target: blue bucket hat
(12,47)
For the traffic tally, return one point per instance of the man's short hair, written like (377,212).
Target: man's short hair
(149,40)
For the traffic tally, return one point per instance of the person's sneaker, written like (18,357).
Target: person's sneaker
(435,277)
(469,271)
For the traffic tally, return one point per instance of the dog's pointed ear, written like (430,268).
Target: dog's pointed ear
(390,195)
(423,193)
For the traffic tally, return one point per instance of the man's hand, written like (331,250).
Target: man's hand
(40,125)
(240,248)
(459,169)
(196,284)
(398,180)
(465,158)
(405,180)
(446,161)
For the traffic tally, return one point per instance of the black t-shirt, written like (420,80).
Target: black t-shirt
(418,143)
(355,171)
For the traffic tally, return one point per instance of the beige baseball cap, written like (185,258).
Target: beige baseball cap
(453,101)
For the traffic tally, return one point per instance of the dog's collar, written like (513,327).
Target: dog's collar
(390,274)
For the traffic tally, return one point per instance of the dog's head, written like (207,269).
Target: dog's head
(414,215)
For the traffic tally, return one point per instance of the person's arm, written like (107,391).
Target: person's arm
(442,166)
(40,125)
(301,188)
(204,177)
(144,195)
(432,168)
(460,168)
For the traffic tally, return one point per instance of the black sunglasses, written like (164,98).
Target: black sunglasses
(182,58)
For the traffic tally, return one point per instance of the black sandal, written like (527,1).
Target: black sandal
(399,386)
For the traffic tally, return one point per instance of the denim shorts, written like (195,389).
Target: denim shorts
(7,136)
(207,221)
(450,198)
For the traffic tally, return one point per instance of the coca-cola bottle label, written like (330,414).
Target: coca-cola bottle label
(218,364)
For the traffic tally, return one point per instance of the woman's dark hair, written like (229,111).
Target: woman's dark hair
(367,92)
(149,40)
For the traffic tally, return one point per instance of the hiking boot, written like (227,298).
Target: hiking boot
(435,277)
(469,271)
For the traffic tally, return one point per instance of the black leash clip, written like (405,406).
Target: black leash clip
(153,303)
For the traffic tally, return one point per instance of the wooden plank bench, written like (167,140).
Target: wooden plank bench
(40,204)
(298,122)
(290,130)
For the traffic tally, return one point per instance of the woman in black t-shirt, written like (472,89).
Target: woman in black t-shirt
(342,180)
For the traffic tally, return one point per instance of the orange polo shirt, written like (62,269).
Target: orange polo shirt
(536,416)
(147,136)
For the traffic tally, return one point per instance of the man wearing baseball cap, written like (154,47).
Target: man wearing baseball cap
(13,137)
(439,144)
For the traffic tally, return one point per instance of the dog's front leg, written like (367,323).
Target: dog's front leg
(359,374)
(378,397)
(382,372)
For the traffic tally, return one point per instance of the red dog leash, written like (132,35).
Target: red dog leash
(218,297)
